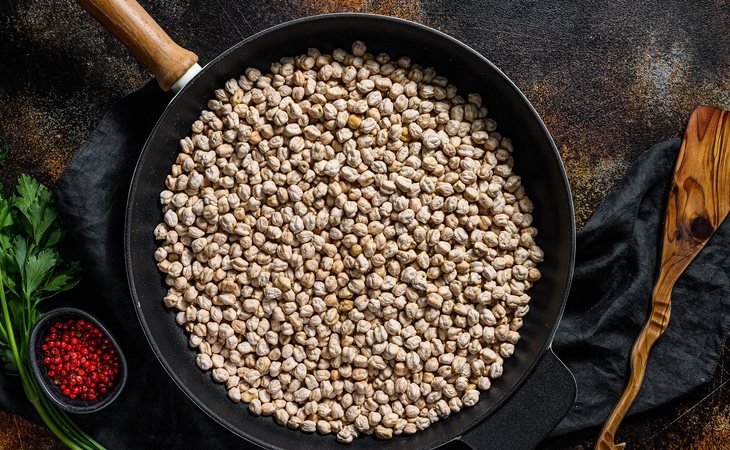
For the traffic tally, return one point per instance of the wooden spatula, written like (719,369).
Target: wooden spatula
(698,203)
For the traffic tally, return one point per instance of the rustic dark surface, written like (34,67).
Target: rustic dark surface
(608,78)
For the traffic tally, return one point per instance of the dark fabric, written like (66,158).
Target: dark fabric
(616,263)
(617,252)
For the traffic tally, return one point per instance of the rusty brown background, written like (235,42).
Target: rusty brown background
(608,78)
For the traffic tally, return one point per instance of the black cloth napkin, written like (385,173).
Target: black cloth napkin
(616,265)
(617,258)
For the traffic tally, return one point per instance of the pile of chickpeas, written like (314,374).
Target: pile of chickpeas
(347,245)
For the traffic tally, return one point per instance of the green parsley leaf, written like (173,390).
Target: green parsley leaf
(37,268)
(34,202)
(62,280)
(20,253)
(6,216)
(6,223)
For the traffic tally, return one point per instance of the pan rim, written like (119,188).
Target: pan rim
(546,346)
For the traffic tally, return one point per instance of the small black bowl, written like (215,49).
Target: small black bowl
(76,406)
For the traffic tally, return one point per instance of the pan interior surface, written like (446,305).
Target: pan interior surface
(536,161)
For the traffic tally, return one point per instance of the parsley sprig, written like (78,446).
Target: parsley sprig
(31,272)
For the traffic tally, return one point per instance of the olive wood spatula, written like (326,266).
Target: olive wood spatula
(698,202)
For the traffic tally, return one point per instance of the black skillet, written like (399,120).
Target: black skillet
(536,389)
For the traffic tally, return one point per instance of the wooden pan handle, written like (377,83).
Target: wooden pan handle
(131,24)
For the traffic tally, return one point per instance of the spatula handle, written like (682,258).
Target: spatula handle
(147,41)
(655,327)
(699,200)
